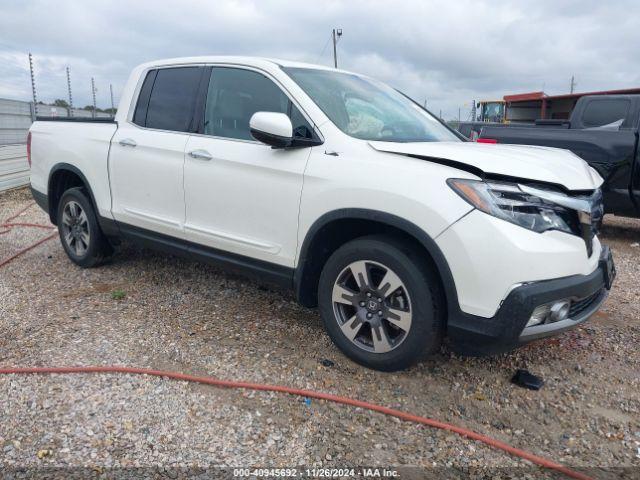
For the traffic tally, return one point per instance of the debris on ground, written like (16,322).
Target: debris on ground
(525,379)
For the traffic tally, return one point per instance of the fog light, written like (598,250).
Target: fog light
(549,313)
(539,315)
(559,311)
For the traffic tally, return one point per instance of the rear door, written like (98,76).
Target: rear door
(241,195)
(146,162)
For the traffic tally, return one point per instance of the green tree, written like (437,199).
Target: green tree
(60,103)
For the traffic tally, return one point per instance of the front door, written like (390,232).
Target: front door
(242,196)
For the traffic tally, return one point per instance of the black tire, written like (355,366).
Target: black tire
(424,336)
(96,249)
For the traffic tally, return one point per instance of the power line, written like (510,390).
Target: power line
(323,49)
(13,61)
(10,47)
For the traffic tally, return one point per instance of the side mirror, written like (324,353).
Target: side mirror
(272,128)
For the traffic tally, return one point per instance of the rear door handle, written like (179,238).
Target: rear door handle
(128,142)
(200,154)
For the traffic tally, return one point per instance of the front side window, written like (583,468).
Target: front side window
(367,109)
(172,99)
(235,94)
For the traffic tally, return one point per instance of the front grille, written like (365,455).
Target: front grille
(579,306)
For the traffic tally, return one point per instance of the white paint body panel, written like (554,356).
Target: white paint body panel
(552,165)
(488,256)
(246,199)
(147,180)
(83,145)
(359,177)
(251,200)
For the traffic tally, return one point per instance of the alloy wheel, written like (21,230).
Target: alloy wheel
(372,306)
(75,228)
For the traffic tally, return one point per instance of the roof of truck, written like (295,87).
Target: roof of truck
(240,60)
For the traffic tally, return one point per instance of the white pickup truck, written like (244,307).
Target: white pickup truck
(340,188)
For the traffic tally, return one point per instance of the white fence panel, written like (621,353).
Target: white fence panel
(14,168)
(16,117)
(15,120)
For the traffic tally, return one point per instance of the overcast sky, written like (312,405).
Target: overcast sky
(448,52)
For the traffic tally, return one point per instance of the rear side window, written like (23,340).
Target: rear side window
(234,95)
(171,101)
(604,112)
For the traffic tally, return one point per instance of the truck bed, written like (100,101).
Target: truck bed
(76,119)
(82,143)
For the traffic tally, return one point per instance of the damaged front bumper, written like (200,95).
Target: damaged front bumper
(506,330)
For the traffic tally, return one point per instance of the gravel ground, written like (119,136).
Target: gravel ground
(148,310)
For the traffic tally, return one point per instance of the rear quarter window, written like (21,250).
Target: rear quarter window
(140,113)
(603,112)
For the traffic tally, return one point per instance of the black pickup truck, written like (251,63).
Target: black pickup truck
(603,130)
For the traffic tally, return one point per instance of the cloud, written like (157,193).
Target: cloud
(446,52)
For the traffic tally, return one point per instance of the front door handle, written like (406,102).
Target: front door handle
(128,142)
(200,154)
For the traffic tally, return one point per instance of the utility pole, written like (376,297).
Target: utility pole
(33,86)
(458,114)
(573,84)
(93,93)
(113,110)
(336,33)
(473,110)
(69,91)
(425,103)
(440,116)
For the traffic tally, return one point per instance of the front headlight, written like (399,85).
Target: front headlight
(508,202)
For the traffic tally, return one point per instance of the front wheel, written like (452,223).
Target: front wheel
(80,234)
(379,303)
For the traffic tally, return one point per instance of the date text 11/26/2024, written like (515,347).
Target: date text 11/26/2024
(364,472)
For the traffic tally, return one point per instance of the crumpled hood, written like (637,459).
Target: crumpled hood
(544,164)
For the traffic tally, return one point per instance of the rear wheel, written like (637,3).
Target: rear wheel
(80,234)
(379,303)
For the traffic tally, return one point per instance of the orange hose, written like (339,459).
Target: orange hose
(34,225)
(8,225)
(541,461)
(20,212)
(4,261)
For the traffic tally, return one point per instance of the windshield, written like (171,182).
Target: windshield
(368,109)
